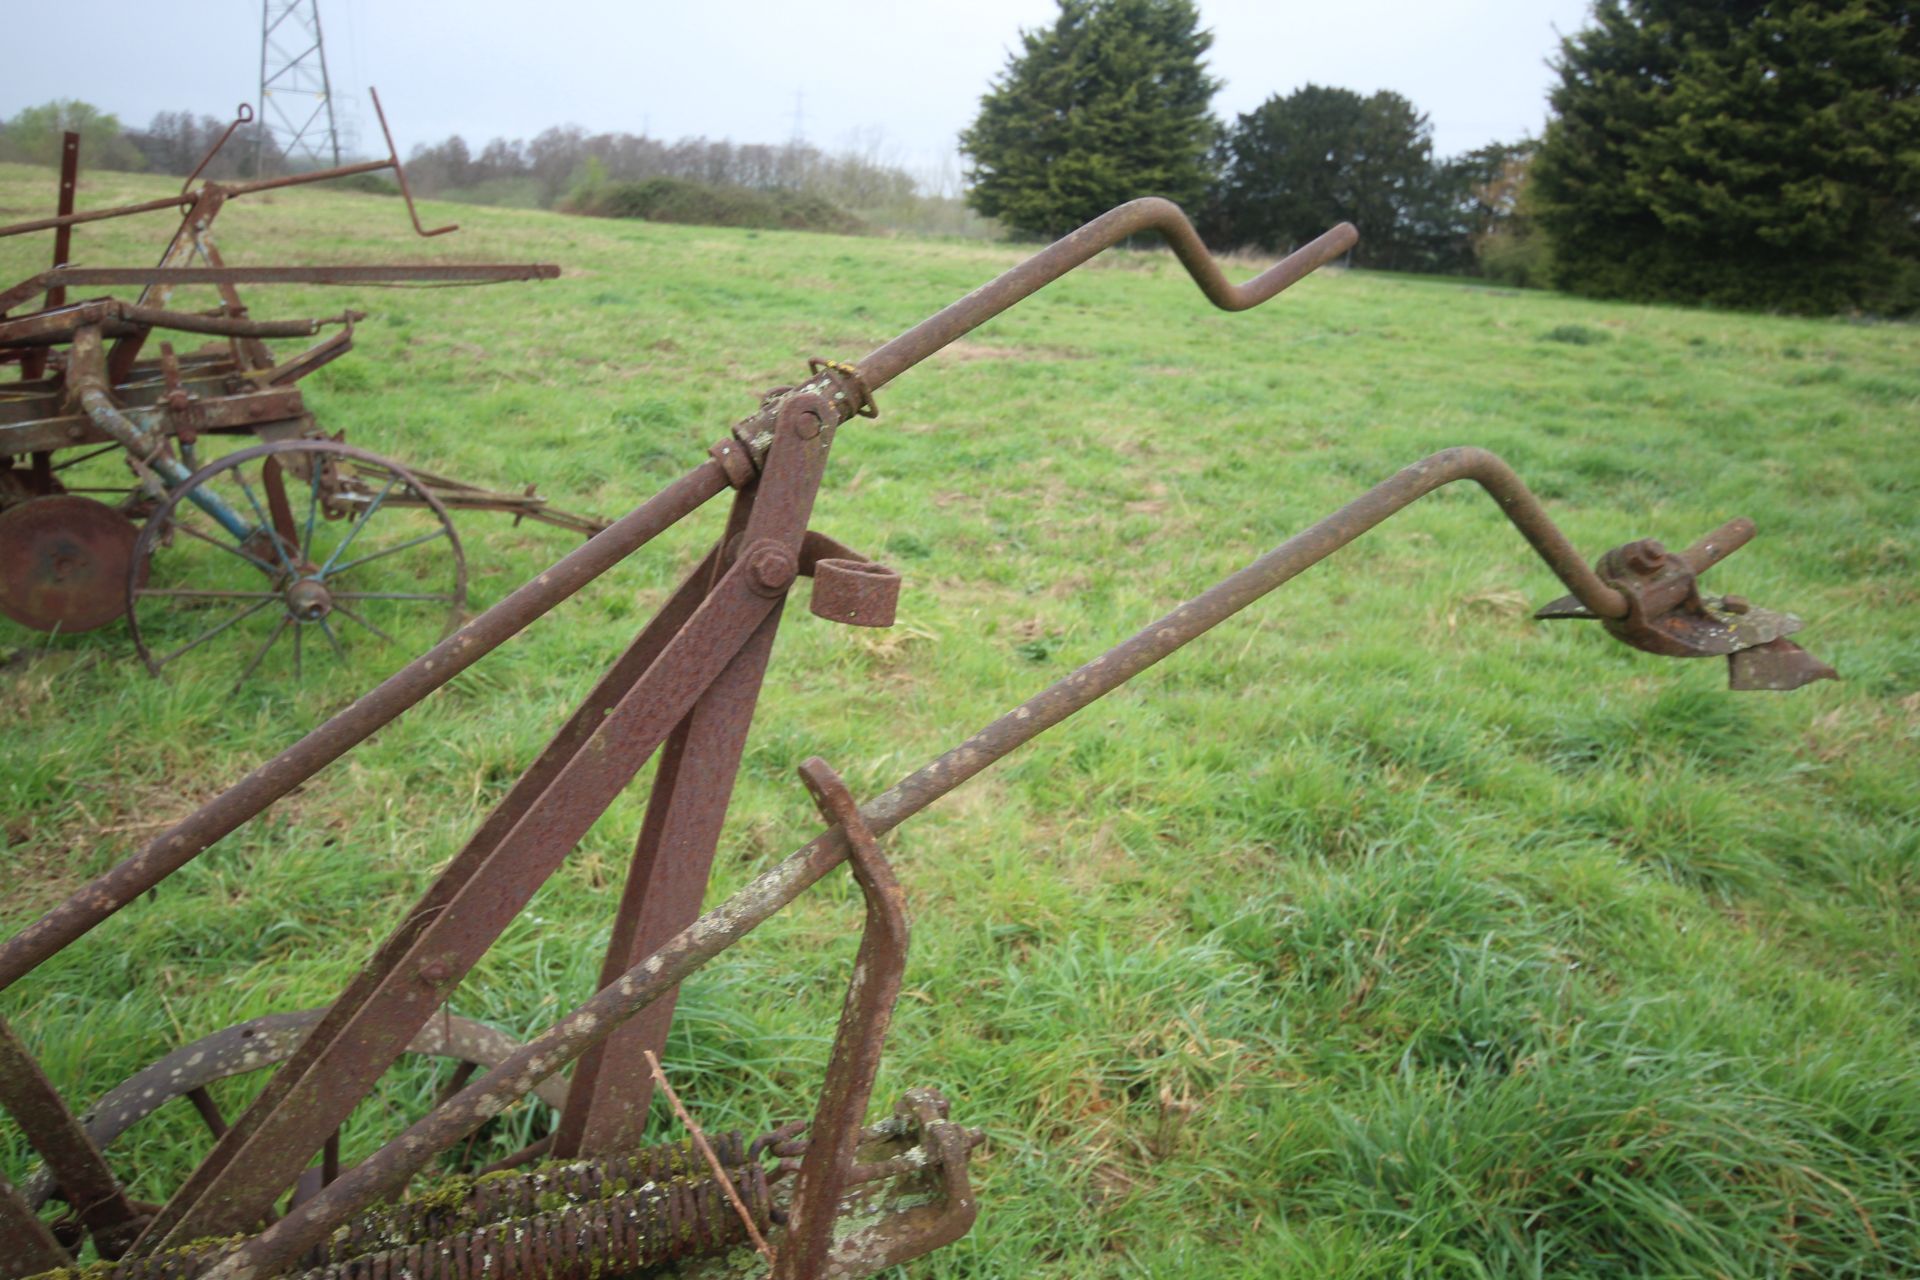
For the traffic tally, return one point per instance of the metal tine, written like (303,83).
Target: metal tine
(337,570)
(333,640)
(284,620)
(314,469)
(190,531)
(352,616)
(865,1015)
(210,634)
(354,532)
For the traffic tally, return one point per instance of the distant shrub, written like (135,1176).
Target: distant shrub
(1574,334)
(504,193)
(681,200)
(1522,261)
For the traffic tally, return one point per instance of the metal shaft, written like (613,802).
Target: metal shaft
(886,363)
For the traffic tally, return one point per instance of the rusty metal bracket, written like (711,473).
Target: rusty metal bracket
(877,973)
(1667,615)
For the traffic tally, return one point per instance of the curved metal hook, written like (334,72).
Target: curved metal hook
(243,116)
(400,173)
(1063,255)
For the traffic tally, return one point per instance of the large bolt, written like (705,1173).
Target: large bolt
(770,568)
(1645,557)
(308,600)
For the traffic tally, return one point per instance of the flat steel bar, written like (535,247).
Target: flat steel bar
(386,1173)
(667,877)
(662,813)
(35,363)
(63,236)
(57,324)
(865,1015)
(77,1165)
(608,1097)
(27,1247)
(267,1156)
(323,273)
(192,835)
(564,745)
(168,277)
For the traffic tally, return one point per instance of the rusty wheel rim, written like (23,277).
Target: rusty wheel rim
(258,1045)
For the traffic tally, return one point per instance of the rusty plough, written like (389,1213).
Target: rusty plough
(261,543)
(845,1197)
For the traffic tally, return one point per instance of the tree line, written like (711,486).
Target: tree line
(1749,153)
(557,160)
(1753,153)
(558,166)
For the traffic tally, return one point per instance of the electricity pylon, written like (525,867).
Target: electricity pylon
(296,98)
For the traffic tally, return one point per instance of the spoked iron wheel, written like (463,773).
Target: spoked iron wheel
(333,544)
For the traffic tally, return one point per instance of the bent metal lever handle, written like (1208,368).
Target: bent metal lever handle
(1063,255)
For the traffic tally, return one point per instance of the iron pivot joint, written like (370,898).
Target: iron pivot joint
(833,392)
(1667,614)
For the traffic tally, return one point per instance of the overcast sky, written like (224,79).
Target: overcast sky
(901,77)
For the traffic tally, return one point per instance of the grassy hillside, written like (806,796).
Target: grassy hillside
(1381,932)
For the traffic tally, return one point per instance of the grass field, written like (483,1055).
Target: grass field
(1381,932)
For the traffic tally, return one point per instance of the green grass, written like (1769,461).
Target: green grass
(1381,932)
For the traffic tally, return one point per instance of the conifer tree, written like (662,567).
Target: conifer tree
(1107,104)
(1748,153)
(1296,165)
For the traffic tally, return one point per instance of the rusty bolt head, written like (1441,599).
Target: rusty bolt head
(1645,557)
(436,971)
(770,568)
(1736,604)
(806,425)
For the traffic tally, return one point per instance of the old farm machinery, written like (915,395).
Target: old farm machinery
(300,533)
(838,1195)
